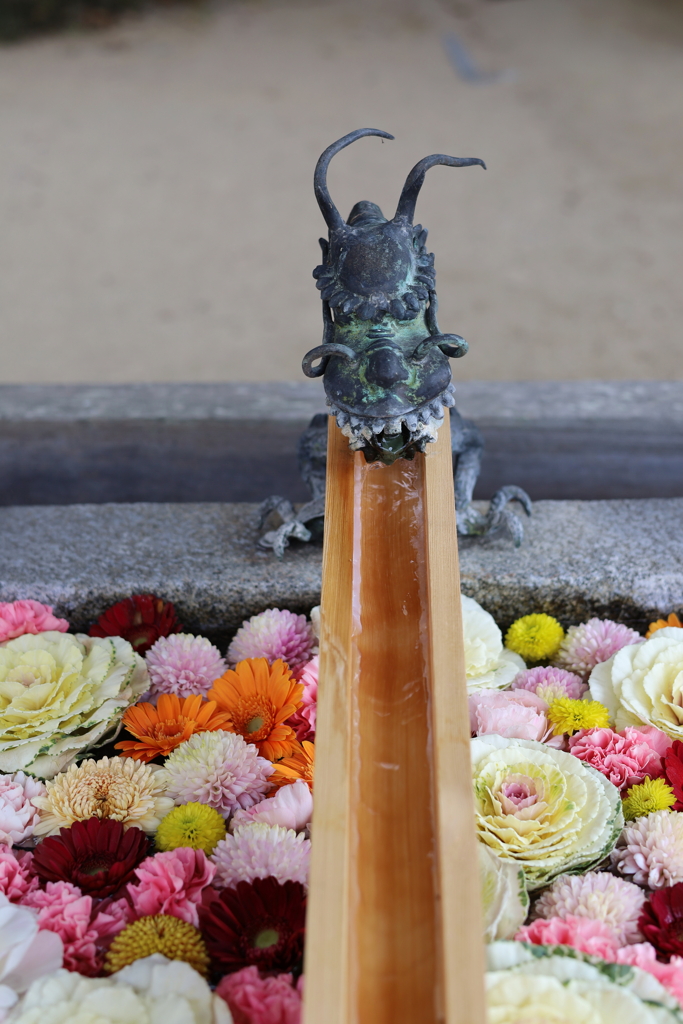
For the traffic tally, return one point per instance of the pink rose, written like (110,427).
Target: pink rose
(20,617)
(625,757)
(582,933)
(172,883)
(515,714)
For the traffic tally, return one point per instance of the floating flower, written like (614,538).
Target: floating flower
(26,953)
(20,617)
(314,616)
(17,875)
(173,938)
(260,923)
(662,920)
(275,634)
(18,813)
(644,956)
(257,1000)
(159,730)
(625,757)
(59,695)
(535,637)
(592,643)
(303,720)
(194,825)
(569,716)
(140,619)
(650,850)
(113,787)
(583,933)
(488,665)
(183,664)
(513,713)
(673,772)
(542,808)
(504,899)
(97,855)
(549,682)
(672,621)
(262,851)
(219,769)
(291,807)
(172,883)
(150,990)
(301,765)
(643,684)
(259,698)
(598,896)
(646,797)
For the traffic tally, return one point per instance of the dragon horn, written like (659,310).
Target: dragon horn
(332,216)
(411,190)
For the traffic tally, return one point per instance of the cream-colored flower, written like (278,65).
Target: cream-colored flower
(556,985)
(113,787)
(505,901)
(151,991)
(542,808)
(488,664)
(60,694)
(642,684)
(25,952)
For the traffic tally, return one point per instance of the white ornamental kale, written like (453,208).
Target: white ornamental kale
(488,664)
(505,901)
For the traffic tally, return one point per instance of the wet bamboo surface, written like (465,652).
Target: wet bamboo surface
(394,920)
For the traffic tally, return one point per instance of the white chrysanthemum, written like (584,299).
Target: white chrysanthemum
(60,694)
(598,896)
(149,991)
(650,850)
(261,851)
(643,683)
(539,984)
(504,898)
(542,808)
(488,664)
(219,769)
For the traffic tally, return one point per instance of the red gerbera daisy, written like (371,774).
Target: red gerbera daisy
(661,921)
(260,923)
(673,769)
(97,855)
(140,619)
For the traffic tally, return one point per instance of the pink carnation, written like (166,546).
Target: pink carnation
(18,814)
(20,617)
(515,714)
(291,807)
(582,933)
(549,683)
(303,721)
(593,642)
(172,883)
(625,757)
(17,877)
(275,633)
(256,1000)
(644,955)
(183,664)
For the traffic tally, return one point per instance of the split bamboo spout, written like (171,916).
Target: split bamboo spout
(394,931)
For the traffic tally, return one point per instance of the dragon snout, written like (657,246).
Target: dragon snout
(385,367)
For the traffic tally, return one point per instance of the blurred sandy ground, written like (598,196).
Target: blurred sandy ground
(157,220)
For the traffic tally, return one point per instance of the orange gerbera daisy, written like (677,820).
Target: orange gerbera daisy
(301,765)
(671,620)
(161,729)
(259,698)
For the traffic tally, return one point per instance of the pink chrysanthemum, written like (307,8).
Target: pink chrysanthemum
(18,814)
(17,877)
(593,642)
(597,896)
(625,758)
(172,883)
(275,633)
(291,807)
(64,910)
(261,851)
(183,664)
(303,721)
(219,769)
(650,850)
(20,617)
(582,933)
(256,1000)
(644,955)
(549,683)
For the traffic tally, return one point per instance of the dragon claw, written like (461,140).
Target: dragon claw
(279,539)
(498,520)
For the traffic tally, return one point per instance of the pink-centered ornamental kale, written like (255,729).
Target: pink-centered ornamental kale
(515,714)
(549,682)
(303,721)
(625,757)
(172,883)
(582,933)
(256,1000)
(18,813)
(275,633)
(184,665)
(17,876)
(20,617)
(291,807)
(593,642)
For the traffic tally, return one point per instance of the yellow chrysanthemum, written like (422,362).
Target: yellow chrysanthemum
(535,637)
(174,938)
(648,796)
(194,825)
(568,716)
